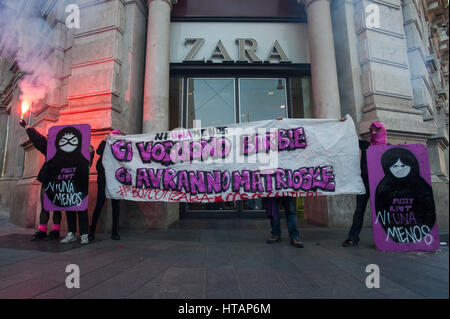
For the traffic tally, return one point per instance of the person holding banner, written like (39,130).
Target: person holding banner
(378,136)
(271,205)
(40,143)
(101,198)
(83,219)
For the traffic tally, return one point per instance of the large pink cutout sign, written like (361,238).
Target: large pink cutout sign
(401,197)
(67,168)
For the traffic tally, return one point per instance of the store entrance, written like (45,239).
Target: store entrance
(218,101)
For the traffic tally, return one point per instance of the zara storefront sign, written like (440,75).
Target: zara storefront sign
(246,54)
(239,42)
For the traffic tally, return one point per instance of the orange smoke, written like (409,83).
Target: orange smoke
(25,107)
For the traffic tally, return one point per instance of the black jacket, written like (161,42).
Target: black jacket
(100,169)
(40,142)
(363,146)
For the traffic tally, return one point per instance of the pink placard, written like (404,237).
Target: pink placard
(401,198)
(67,168)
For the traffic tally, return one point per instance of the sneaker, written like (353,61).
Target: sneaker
(54,234)
(296,243)
(70,237)
(349,243)
(84,239)
(39,235)
(273,239)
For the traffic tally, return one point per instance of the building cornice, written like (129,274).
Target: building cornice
(308,2)
(169,2)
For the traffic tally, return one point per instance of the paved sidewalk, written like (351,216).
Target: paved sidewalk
(216,259)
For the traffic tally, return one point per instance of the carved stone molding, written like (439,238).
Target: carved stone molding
(169,2)
(308,2)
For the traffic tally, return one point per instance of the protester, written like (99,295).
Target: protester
(272,211)
(83,219)
(40,143)
(378,136)
(271,205)
(101,198)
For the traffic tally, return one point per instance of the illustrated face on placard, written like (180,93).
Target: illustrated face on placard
(68,140)
(399,169)
(68,143)
(400,163)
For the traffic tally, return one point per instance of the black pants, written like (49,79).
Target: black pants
(45,214)
(101,198)
(358,217)
(83,221)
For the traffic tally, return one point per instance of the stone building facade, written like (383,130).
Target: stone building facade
(127,67)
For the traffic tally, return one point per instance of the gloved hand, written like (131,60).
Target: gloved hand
(23,123)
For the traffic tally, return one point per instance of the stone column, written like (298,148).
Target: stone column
(324,87)
(157,67)
(155,117)
(323,61)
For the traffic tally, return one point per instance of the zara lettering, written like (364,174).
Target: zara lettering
(247,52)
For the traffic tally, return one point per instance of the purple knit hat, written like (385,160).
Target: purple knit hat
(116,132)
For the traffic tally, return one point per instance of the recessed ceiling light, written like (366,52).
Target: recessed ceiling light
(270,93)
(282,106)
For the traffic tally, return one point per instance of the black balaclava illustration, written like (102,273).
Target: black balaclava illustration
(68,156)
(402,181)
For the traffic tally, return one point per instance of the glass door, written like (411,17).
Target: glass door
(261,99)
(221,101)
(211,102)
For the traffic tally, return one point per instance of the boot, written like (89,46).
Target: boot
(91,233)
(273,239)
(349,243)
(115,235)
(54,234)
(296,243)
(39,235)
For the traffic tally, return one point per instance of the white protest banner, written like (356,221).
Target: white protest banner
(288,157)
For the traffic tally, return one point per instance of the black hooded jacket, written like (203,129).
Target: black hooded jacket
(40,143)
(363,146)
(99,166)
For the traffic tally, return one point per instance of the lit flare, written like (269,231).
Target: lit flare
(25,107)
